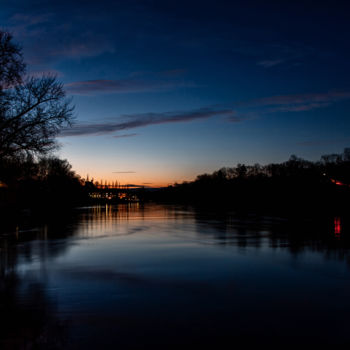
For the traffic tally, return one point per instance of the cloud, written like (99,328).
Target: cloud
(294,102)
(26,20)
(124,172)
(298,107)
(270,63)
(103,86)
(84,46)
(272,54)
(176,72)
(331,96)
(132,121)
(246,110)
(239,117)
(126,28)
(37,30)
(124,135)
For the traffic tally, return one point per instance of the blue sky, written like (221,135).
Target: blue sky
(167,90)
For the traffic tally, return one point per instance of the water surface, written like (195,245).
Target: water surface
(155,276)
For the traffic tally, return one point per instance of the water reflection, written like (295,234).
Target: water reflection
(29,317)
(297,235)
(337,227)
(158,276)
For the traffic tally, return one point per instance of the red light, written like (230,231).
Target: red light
(337,227)
(337,182)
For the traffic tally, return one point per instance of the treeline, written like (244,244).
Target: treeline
(296,183)
(47,181)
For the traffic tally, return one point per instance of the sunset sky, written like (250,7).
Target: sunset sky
(167,90)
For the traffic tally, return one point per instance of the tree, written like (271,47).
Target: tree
(11,62)
(32,110)
(55,167)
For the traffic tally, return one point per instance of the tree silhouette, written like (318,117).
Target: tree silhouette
(11,63)
(32,110)
(296,184)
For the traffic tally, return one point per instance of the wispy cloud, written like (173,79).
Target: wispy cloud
(293,99)
(22,22)
(302,107)
(132,121)
(238,116)
(124,172)
(276,55)
(272,54)
(124,136)
(243,111)
(293,102)
(175,72)
(36,31)
(103,86)
(270,63)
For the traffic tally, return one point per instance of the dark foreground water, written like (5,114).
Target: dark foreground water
(163,277)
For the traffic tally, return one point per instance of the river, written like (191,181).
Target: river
(169,277)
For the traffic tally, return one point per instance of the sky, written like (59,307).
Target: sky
(167,90)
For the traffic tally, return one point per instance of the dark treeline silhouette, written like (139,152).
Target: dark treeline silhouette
(29,183)
(294,184)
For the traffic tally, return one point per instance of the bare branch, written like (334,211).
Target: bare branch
(32,111)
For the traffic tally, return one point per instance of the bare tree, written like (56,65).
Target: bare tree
(12,66)
(32,110)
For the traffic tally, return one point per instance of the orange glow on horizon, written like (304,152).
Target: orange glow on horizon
(145,178)
(126,170)
(123,182)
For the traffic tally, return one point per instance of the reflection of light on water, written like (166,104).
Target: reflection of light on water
(337,227)
(104,220)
